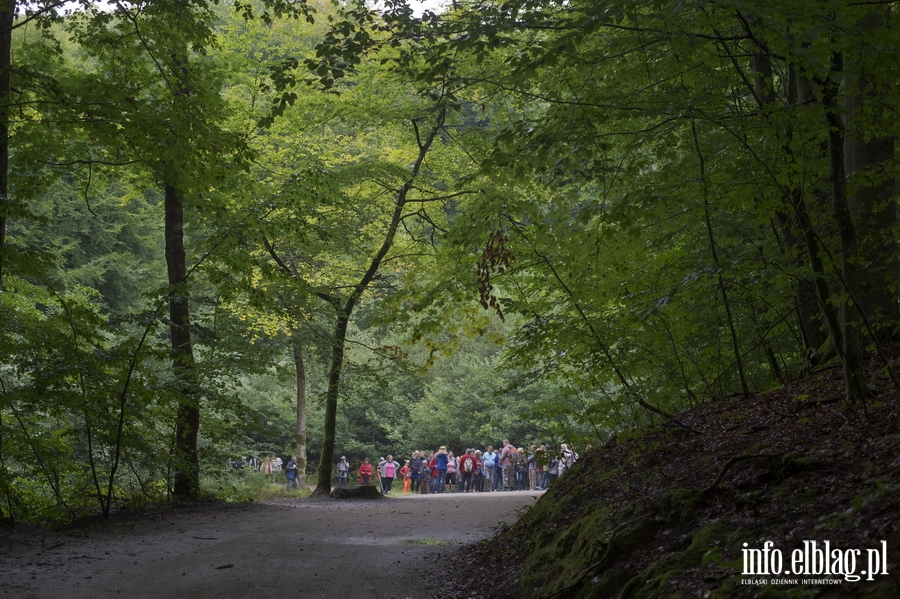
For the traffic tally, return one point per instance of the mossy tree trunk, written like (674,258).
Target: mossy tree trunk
(300,369)
(186,482)
(7,17)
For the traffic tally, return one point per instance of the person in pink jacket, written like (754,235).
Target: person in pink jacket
(390,472)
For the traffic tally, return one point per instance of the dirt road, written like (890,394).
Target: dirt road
(347,549)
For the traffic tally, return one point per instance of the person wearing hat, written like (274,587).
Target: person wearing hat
(565,459)
(441,458)
(343,472)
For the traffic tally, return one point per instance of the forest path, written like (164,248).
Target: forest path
(341,549)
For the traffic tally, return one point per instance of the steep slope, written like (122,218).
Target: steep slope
(666,511)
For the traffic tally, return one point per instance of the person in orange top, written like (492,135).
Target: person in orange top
(365,472)
(405,473)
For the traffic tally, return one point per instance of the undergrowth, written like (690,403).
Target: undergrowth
(246,486)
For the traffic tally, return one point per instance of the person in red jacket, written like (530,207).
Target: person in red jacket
(365,472)
(433,468)
(467,468)
(478,479)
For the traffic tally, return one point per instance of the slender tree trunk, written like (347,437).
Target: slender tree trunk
(689,393)
(338,339)
(868,156)
(800,93)
(7,16)
(187,418)
(792,237)
(4,478)
(719,278)
(301,406)
(343,312)
(851,271)
(795,222)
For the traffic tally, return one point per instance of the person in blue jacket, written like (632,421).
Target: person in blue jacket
(490,461)
(442,458)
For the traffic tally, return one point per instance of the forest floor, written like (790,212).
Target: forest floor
(673,510)
(394,547)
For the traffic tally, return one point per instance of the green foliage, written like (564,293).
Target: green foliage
(641,167)
(72,406)
(246,486)
(639,194)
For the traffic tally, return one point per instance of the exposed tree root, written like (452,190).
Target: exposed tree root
(734,460)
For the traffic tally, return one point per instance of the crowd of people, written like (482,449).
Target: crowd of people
(474,471)
(509,468)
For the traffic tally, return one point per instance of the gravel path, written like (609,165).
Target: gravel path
(389,548)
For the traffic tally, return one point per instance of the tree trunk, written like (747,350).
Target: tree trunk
(792,240)
(719,278)
(7,16)
(868,156)
(343,312)
(338,338)
(851,271)
(301,406)
(800,93)
(187,419)
(814,287)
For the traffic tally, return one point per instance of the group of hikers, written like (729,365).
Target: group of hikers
(509,469)
(474,471)
(266,465)
(270,465)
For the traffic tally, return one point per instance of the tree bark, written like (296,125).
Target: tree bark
(793,240)
(794,217)
(301,406)
(816,286)
(7,17)
(868,156)
(338,339)
(186,482)
(851,271)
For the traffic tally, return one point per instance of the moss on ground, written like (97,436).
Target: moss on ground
(680,505)
(662,578)
(661,512)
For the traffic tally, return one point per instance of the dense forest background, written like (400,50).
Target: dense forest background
(334,229)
